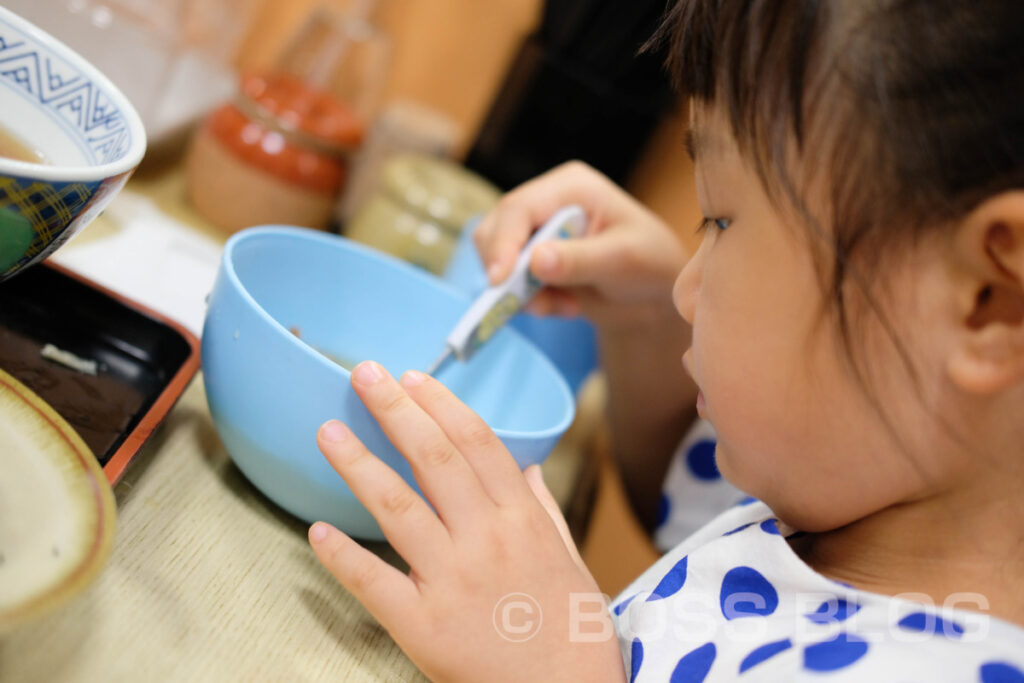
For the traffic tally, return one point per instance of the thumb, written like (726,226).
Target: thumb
(535,479)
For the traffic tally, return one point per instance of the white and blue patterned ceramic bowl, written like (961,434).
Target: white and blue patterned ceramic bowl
(91,138)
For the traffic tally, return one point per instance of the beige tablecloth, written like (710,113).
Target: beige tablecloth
(210,581)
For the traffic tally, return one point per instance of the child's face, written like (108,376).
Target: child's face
(795,427)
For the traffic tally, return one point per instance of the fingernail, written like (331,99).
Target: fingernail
(413,378)
(318,532)
(333,431)
(367,373)
(547,259)
(493,271)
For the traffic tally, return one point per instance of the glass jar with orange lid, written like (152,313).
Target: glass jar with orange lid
(279,152)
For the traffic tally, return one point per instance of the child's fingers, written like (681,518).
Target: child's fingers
(565,303)
(483,450)
(386,592)
(406,520)
(444,476)
(500,237)
(542,304)
(535,479)
(555,301)
(567,263)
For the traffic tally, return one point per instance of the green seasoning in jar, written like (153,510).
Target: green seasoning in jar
(419,207)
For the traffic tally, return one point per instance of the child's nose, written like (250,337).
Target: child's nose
(687,285)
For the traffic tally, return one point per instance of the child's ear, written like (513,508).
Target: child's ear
(989,246)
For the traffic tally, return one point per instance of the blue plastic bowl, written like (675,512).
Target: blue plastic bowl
(270,390)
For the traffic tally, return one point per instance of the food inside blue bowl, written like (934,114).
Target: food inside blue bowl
(292,307)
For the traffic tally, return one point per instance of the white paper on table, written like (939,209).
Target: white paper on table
(153,259)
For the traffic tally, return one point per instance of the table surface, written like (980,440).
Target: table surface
(209,580)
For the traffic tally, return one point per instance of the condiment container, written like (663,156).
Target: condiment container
(277,153)
(419,207)
(402,127)
(280,151)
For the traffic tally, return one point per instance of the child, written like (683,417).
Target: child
(857,316)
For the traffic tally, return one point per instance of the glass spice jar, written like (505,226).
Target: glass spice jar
(418,208)
(277,153)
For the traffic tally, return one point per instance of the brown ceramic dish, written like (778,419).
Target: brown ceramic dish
(145,360)
(62,503)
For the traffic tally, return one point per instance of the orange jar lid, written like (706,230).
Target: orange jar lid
(302,107)
(294,131)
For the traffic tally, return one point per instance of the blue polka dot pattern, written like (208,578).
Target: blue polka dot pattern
(770,526)
(841,651)
(636,658)
(694,667)
(746,593)
(700,460)
(764,652)
(738,529)
(671,582)
(1000,672)
(929,623)
(621,607)
(832,610)
(664,507)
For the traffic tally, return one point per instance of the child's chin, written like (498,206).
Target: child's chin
(811,517)
(724,462)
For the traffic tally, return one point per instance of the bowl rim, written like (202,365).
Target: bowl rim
(344,243)
(86,173)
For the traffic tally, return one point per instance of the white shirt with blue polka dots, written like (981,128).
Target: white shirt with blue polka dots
(733,602)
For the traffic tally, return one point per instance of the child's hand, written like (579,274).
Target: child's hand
(620,274)
(492,566)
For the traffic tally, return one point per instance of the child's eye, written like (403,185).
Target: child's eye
(719,223)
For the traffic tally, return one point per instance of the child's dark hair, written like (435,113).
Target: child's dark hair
(913,108)
(921,101)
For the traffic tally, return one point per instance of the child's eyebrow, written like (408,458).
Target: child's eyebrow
(692,142)
(700,143)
